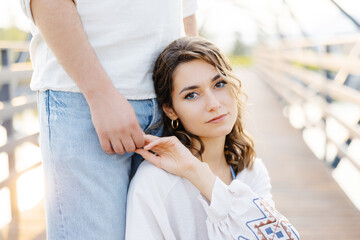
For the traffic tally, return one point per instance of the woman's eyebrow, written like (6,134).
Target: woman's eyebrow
(216,77)
(188,88)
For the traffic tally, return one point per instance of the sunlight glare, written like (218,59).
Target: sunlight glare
(30,189)
(346,175)
(336,131)
(347,112)
(3,136)
(354,150)
(26,121)
(315,139)
(26,155)
(12,15)
(17,101)
(4,166)
(331,152)
(296,116)
(5,211)
(313,112)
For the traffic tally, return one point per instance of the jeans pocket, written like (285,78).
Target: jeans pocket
(156,125)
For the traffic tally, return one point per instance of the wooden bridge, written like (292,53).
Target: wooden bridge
(292,74)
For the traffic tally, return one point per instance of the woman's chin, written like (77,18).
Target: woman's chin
(216,133)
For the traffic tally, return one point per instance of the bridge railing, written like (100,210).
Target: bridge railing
(15,97)
(323,73)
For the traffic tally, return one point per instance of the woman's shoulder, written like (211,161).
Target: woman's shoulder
(258,165)
(258,179)
(258,169)
(151,179)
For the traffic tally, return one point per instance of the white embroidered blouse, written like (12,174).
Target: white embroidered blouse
(164,206)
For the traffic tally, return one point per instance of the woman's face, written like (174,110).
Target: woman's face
(202,100)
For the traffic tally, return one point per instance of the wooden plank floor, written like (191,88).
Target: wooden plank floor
(303,188)
(30,226)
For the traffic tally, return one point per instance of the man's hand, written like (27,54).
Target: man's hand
(115,122)
(113,116)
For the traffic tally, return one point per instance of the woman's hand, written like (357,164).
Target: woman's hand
(170,155)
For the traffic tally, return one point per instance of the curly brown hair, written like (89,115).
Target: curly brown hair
(239,146)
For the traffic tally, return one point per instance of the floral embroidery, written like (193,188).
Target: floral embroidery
(272,225)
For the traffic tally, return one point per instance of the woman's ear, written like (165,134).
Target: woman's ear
(169,111)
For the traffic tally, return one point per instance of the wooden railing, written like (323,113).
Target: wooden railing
(13,73)
(305,71)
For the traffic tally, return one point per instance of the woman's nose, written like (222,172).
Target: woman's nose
(212,102)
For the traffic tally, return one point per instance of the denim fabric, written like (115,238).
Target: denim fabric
(85,188)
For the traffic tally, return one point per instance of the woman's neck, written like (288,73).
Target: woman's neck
(214,156)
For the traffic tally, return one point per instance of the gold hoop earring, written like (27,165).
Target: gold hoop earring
(176,125)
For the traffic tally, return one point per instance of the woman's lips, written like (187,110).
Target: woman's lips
(217,119)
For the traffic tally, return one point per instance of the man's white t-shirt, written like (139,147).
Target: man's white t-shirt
(127,37)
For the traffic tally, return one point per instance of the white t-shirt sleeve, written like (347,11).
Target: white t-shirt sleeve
(239,211)
(189,7)
(25,7)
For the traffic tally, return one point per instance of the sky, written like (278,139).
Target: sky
(252,19)
(255,19)
(11,15)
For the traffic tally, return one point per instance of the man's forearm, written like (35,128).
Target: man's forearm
(190,26)
(60,26)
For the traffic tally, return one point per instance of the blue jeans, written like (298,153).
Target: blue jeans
(85,188)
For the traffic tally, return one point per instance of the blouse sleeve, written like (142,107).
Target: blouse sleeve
(146,215)
(240,212)
(146,219)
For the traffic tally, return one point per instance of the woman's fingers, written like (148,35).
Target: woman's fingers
(150,138)
(160,145)
(148,156)
(156,142)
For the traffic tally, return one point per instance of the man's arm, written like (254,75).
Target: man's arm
(114,118)
(190,25)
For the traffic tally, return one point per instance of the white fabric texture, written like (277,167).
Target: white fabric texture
(164,206)
(127,40)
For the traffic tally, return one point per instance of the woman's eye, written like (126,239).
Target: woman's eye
(220,84)
(190,96)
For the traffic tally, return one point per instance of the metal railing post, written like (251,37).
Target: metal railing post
(6,96)
(317,84)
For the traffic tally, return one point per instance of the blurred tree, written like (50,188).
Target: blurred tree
(239,48)
(205,33)
(13,34)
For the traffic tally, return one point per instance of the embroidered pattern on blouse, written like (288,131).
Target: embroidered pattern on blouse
(272,226)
